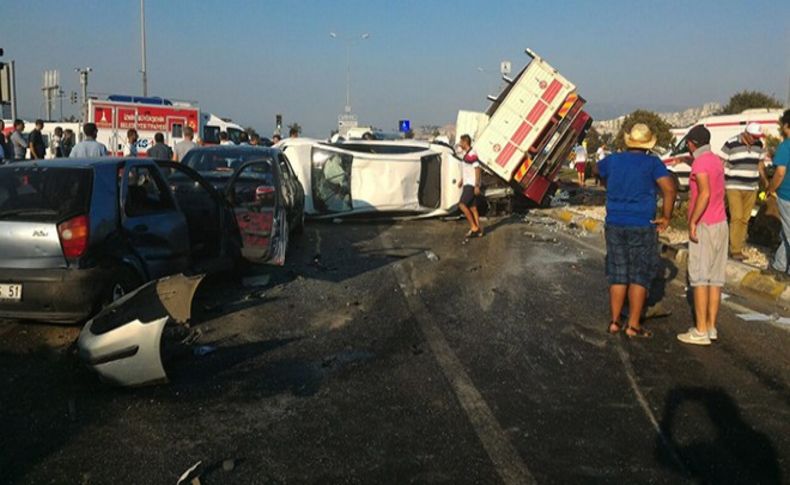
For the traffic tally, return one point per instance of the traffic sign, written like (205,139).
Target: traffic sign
(404,126)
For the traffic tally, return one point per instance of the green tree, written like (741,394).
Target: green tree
(593,140)
(750,100)
(657,125)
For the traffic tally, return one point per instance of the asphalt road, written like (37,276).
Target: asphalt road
(365,361)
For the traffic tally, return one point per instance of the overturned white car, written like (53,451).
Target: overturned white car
(360,177)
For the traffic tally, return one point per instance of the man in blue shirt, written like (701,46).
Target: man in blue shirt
(780,187)
(632,181)
(89,147)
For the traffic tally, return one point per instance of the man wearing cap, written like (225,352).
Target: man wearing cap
(632,179)
(708,236)
(780,186)
(743,171)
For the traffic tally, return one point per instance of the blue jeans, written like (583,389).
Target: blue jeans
(782,256)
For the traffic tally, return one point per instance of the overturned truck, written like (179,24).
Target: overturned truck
(528,132)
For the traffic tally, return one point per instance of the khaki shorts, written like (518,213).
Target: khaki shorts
(708,258)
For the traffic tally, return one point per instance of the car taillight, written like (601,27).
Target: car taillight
(262,191)
(73,235)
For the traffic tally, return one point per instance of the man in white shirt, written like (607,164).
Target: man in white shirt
(89,147)
(470,182)
(182,148)
(580,161)
(130,150)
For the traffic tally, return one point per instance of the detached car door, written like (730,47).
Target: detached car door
(254,192)
(154,227)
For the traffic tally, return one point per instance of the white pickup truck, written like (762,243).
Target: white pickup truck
(529,130)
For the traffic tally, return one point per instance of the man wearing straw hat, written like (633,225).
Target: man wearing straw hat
(632,180)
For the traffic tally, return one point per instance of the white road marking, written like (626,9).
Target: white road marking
(508,463)
(631,375)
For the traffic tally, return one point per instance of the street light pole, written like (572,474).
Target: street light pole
(349,40)
(84,85)
(144,70)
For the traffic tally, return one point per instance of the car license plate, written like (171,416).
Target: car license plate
(10,292)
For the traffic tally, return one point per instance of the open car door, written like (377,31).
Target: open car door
(254,193)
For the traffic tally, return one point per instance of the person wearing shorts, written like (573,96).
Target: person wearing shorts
(708,236)
(632,180)
(580,161)
(470,184)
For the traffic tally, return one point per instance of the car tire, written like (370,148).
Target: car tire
(123,281)
(299,227)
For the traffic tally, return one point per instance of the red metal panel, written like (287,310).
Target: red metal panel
(536,112)
(552,91)
(505,155)
(521,133)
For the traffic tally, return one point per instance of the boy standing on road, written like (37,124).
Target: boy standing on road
(708,236)
(632,178)
(470,181)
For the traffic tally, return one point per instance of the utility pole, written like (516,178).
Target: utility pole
(50,87)
(84,85)
(144,70)
(12,74)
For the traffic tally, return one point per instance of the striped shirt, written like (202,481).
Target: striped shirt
(742,163)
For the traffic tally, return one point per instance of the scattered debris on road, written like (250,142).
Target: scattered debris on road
(256,281)
(431,256)
(191,475)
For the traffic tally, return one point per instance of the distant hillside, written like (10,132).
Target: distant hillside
(678,119)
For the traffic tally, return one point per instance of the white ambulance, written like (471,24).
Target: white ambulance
(722,128)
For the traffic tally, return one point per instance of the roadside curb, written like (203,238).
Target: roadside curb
(739,275)
(569,217)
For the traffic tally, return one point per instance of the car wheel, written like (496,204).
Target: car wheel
(299,229)
(123,281)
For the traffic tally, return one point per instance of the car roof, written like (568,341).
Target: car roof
(237,148)
(71,162)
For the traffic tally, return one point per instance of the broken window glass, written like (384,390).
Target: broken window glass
(331,177)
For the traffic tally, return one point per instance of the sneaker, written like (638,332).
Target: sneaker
(694,337)
(713,334)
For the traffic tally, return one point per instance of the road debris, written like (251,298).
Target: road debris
(203,350)
(228,465)
(123,343)
(761,317)
(538,238)
(431,256)
(191,475)
(255,281)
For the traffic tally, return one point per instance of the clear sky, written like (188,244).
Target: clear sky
(248,60)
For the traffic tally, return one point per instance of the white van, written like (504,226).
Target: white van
(722,128)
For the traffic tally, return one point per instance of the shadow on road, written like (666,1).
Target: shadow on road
(715,444)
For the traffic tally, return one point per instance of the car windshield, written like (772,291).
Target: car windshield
(221,160)
(44,194)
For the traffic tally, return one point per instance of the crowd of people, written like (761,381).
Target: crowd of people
(18,146)
(633,179)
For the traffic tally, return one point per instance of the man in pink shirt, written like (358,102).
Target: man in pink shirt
(708,236)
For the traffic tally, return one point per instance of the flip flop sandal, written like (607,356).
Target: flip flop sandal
(470,234)
(640,332)
(616,324)
(479,234)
